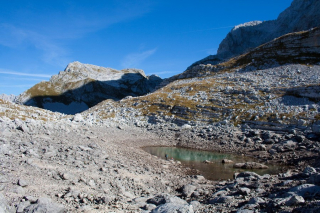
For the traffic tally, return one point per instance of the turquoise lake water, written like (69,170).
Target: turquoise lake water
(214,171)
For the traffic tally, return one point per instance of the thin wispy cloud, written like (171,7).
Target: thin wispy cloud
(19,38)
(24,78)
(11,36)
(134,59)
(209,29)
(16,86)
(52,53)
(50,33)
(9,72)
(165,72)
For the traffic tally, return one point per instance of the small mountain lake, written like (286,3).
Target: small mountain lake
(215,170)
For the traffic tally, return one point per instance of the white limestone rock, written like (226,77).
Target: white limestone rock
(77,118)
(4,206)
(6,97)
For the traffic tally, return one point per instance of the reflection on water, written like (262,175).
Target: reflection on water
(213,171)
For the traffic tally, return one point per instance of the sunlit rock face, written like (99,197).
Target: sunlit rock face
(293,48)
(81,86)
(301,15)
(276,83)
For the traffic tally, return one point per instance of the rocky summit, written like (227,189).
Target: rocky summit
(81,86)
(301,15)
(259,101)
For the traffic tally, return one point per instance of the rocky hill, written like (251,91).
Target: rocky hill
(81,86)
(301,15)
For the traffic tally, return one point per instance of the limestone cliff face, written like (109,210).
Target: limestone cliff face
(81,86)
(301,15)
(293,48)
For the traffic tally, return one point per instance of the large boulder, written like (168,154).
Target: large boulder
(173,208)
(188,189)
(44,205)
(166,198)
(250,165)
(4,206)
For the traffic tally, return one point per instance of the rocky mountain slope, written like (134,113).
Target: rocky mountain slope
(81,86)
(274,94)
(293,48)
(301,15)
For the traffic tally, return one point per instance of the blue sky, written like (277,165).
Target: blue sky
(39,38)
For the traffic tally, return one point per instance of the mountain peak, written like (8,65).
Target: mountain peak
(247,24)
(300,16)
(85,85)
(76,71)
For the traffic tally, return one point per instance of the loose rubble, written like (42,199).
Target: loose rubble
(68,165)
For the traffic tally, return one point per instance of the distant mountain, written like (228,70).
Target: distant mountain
(293,48)
(81,86)
(301,15)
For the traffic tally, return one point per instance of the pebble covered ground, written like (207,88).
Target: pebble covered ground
(70,165)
